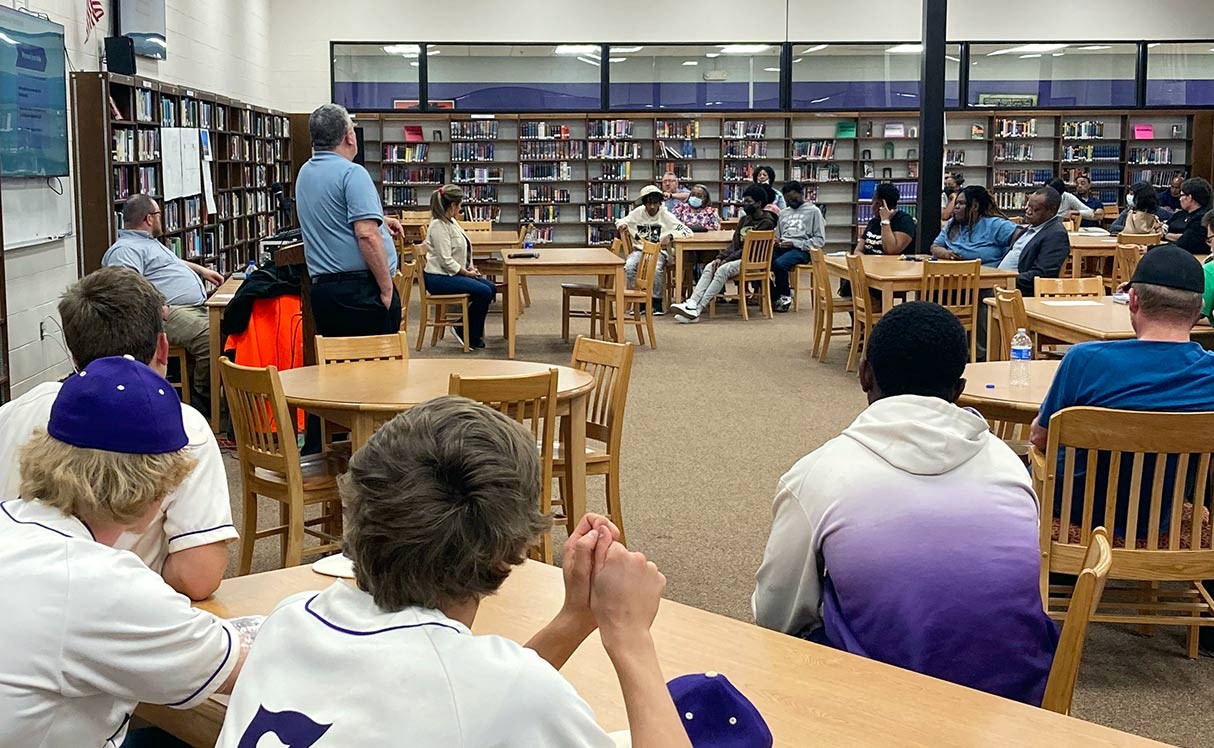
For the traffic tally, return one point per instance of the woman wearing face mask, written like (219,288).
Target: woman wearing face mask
(1142,216)
(729,262)
(766,177)
(1118,224)
(697,213)
(952,187)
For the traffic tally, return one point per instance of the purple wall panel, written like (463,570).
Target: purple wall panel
(1063,93)
(357,96)
(492,97)
(835,95)
(1164,92)
(698,96)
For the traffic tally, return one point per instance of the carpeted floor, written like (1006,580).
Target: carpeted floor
(715,415)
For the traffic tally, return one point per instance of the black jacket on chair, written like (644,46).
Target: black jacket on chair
(1044,255)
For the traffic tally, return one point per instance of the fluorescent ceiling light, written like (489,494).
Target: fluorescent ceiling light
(905,49)
(403,49)
(1057,54)
(7,39)
(954,59)
(771,70)
(906,95)
(690,62)
(797,60)
(819,101)
(1153,46)
(625,50)
(1025,48)
(616,59)
(589,61)
(415,64)
(1092,47)
(711,55)
(743,49)
(1025,57)
(577,49)
(814,48)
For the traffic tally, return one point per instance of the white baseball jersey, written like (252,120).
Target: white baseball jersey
(198,513)
(331,669)
(89,632)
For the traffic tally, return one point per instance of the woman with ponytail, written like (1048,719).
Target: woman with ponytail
(449,267)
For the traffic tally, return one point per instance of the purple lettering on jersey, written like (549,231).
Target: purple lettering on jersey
(293,729)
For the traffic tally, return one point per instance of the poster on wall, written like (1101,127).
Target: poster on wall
(1008,101)
(414,103)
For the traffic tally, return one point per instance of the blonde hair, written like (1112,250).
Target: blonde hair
(444,197)
(111,486)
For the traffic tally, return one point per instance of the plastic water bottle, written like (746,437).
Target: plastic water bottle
(1022,353)
(252,268)
(529,240)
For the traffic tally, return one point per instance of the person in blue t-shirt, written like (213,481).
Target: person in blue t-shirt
(1161,370)
(977,230)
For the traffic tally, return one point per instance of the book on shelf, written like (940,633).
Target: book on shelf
(550,150)
(680,169)
(676,149)
(114,110)
(977,132)
(674,129)
(746,149)
(1083,130)
(845,128)
(543,193)
(466,151)
(539,213)
(1144,132)
(744,129)
(545,171)
(621,172)
(475,175)
(543,131)
(608,128)
(1006,127)
(1150,155)
(474,129)
(895,130)
(813,150)
(614,150)
(413,134)
(401,153)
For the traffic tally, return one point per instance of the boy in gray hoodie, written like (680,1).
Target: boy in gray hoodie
(800,227)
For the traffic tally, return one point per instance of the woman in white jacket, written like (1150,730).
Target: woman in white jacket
(449,267)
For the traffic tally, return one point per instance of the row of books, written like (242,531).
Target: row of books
(600,235)
(813,150)
(476,174)
(609,128)
(606,211)
(135,179)
(680,169)
(229,205)
(615,150)
(1103,175)
(736,129)
(1022,177)
(472,151)
(400,197)
(616,192)
(1156,155)
(407,153)
(954,157)
(1011,201)
(542,131)
(823,173)
(484,129)
(412,175)
(539,213)
(1157,177)
(144,105)
(1084,129)
(1104,152)
(746,149)
(551,150)
(675,149)
(676,128)
(1005,127)
(136,145)
(179,214)
(482,212)
(540,234)
(1014,151)
(541,193)
(480,193)
(547,171)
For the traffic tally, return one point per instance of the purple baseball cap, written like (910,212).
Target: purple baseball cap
(715,714)
(118,405)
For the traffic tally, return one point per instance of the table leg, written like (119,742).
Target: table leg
(214,317)
(573,446)
(887,297)
(1077,266)
(994,336)
(678,275)
(509,314)
(619,319)
(362,428)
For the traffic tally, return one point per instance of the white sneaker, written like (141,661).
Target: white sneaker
(686,309)
(685,320)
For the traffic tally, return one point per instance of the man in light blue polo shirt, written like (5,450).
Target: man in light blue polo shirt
(180,282)
(347,241)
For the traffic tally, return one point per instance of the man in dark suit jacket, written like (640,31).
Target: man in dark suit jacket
(1041,247)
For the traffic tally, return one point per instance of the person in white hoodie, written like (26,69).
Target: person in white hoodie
(911,538)
(650,221)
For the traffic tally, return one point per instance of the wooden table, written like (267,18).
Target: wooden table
(485,243)
(1069,321)
(808,694)
(890,274)
(576,261)
(1002,401)
(218,302)
(704,241)
(1086,246)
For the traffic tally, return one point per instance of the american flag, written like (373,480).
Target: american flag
(94,12)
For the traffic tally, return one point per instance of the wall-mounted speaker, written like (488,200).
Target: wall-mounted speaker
(120,55)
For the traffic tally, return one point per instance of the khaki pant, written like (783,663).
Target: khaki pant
(187,327)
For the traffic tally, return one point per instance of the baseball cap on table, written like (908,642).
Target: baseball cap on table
(1172,267)
(649,189)
(118,405)
(715,714)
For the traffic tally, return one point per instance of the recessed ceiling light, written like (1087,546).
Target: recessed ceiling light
(589,61)
(710,55)
(690,62)
(1092,47)
(415,64)
(743,49)
(771,70)
(577,49)
(1057,54)
(1023,48)
(1025,57)
(403,49)
(819,101)
(626,50)
(954,59)
(616,59)
(797,60)
(814,48)
(905,49)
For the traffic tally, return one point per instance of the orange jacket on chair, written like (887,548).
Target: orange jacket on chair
(274,337)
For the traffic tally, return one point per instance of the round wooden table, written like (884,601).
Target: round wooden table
(988,390)
(363,396)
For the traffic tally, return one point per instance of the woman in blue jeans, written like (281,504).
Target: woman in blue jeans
(449,267)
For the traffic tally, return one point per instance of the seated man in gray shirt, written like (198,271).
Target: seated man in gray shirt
(180,282)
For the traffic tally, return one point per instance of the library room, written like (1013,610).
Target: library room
(786,374)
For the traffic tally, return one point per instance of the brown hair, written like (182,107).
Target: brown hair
(111,486)
(440,504)
(444,197)
(111,312)
(1165,302)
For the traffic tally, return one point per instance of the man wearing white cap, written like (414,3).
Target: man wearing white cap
(650,221)
(89,631)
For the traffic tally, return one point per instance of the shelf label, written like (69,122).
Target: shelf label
(147,84)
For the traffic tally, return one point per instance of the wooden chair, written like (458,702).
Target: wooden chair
(954,286)
(181,382)
(441,307)
(1009,311)
(796,271)
(1069,288)
(416,216)
(864,316)
(611,366)
(531,400)
(826,305)
(1125,262)
(403,280)
(1071,225)
(1089,586)
(638,296)
(270,466)
(592,291)
(1146,241)
(1161,541)
(475,225)
(757,251)
(366,348)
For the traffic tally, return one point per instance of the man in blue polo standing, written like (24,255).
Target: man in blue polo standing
(347,240)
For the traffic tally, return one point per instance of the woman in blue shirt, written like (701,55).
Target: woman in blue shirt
(976,231)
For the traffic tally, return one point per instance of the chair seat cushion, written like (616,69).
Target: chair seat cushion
(1186,532)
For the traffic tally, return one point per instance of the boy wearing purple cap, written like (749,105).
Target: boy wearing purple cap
(89,630)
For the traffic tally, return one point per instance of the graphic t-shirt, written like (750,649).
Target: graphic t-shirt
(899,221)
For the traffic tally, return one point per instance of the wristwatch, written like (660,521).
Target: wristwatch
(885,222)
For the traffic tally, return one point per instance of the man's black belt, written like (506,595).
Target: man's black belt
(338,277)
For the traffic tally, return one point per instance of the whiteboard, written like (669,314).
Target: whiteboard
(33,213)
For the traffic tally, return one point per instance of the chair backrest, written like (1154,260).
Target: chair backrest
(529,399)
(403,280)
(729,224)
(954,286)
(265,433)
(647,268)
(1070,225)
(415,216)
(1009,308)
(1125,262)
(611,366)
(1070,288)
(392,347)
(757,250)
(823,292)
(1167,459)
(475,225)
(1089,587)
(1139,240)
(860,298)
(619,247)
(522,236)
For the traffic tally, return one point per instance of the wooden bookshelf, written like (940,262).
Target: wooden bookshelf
(835,154)
(5,367)
(251,150)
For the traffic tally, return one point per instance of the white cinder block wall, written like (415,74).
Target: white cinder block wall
(215,45)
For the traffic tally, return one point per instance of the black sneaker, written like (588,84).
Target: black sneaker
(658,311)
(478,343)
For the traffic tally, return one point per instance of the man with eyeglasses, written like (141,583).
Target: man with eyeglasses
(1185,227)
(183,285)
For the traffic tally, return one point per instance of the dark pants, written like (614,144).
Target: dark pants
(348,305)
(481,292)
(782,262)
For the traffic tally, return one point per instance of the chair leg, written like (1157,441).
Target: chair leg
(522,283)
(464,316)
(421,325)
(712,308)
(653,339)
(565,315)
(248,533)
(766,294)
(854,355)
(742,301)
(639,324)
(614,511)
(292,554)
(817,330)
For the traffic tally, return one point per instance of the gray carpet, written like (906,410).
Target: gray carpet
(715,415)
